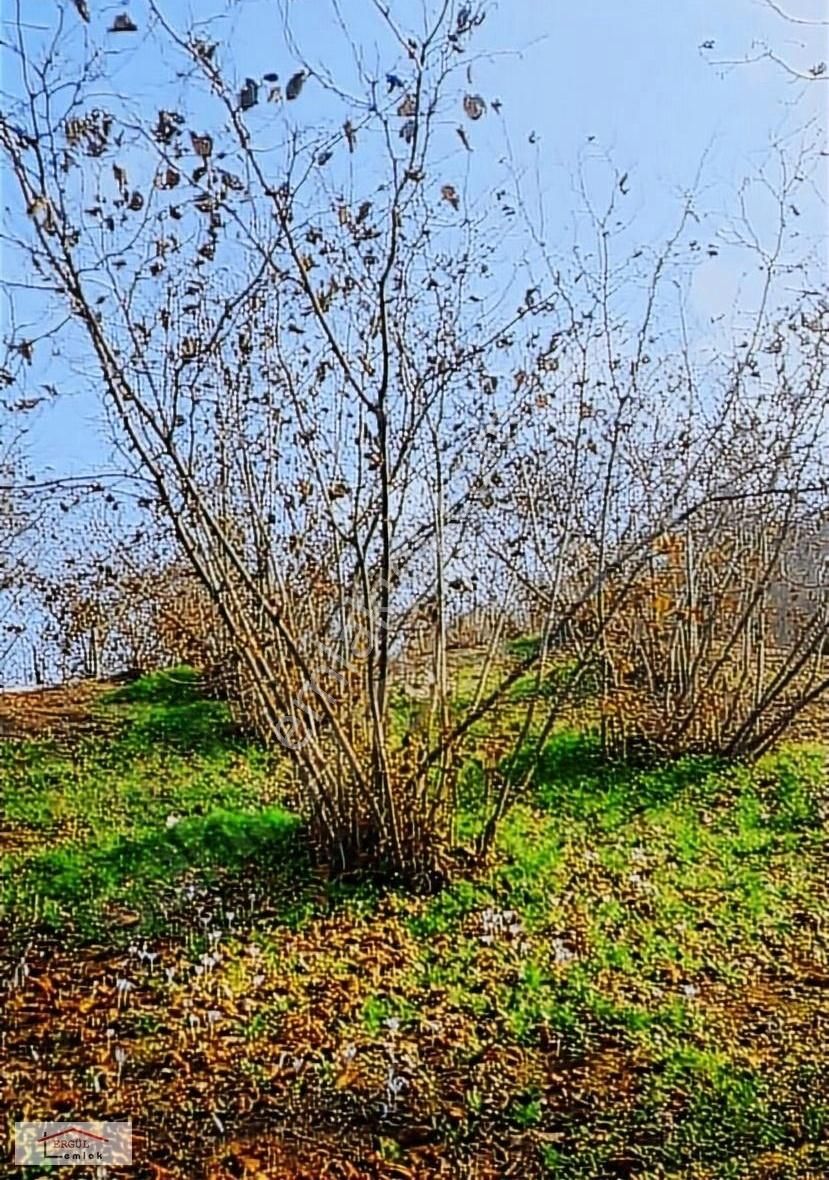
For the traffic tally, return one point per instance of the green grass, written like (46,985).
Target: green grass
(172,686)
(524,646)
(632,988)
(169,708)
(639,892)
(121,820)
(564,681)
(76,886)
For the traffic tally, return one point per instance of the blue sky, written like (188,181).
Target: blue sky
(629,74)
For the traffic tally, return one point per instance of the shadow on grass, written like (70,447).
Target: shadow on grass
(564,681)
(174,686)
(75,889)
(203,727)
(170,709)
(574,779)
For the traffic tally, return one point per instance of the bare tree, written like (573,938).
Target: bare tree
(122,602)
(289,363)
(20,512)
(803,60)
(356,419)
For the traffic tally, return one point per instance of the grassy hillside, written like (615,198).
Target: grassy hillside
(637,987)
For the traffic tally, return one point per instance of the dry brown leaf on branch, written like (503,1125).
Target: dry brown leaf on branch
(202,145)
(449,193)
(169,178)
(295,84)
(123,23)
(249,94)
(463,137)
(474,106)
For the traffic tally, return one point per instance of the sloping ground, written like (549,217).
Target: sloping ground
(64,712)
(352,1047)
(636,989)
(63,717)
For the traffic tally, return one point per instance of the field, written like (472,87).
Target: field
(638,986)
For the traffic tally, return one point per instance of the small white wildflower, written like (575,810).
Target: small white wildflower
(395,1084)
(172,820)
(561,951)
(20,975)
(123,987)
